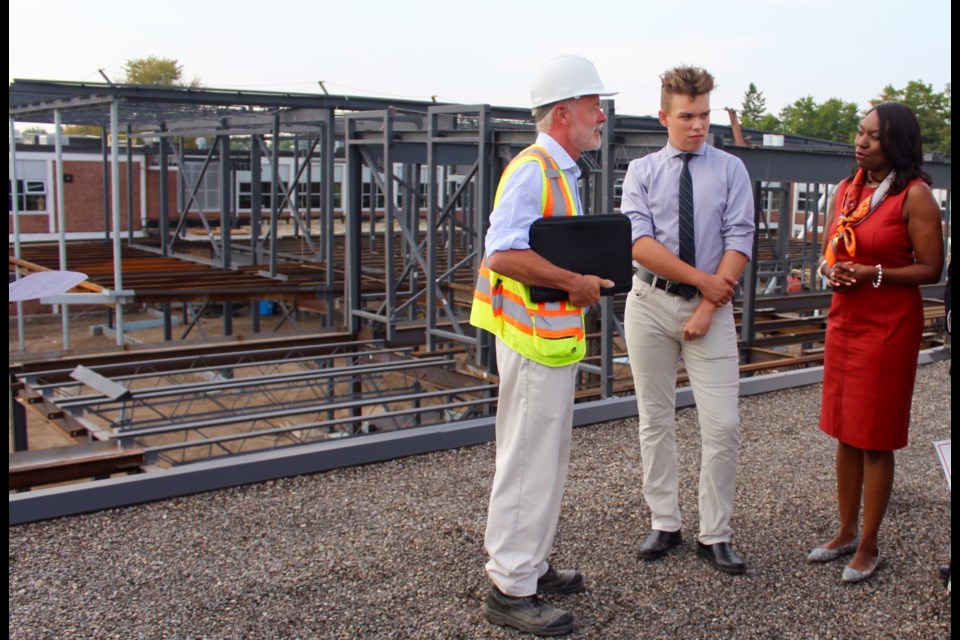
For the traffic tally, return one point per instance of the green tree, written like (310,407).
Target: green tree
(153,70)
(833,120)
(932,109)
(82,130)
(771,123)
(752,107)
(150,70)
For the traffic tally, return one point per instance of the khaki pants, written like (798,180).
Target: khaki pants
(654,322)
(534,432)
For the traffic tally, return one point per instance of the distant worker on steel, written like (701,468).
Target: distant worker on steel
(538,347)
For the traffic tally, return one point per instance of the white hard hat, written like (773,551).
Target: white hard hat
(567,76)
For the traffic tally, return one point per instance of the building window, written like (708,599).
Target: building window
(208,192)
(337,195)
(809,197)
(770,196)
(245,188)
(32,187)
(313,201)
(32,195)
(366,191)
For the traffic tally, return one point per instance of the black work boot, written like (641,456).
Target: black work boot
(526,613)
(562,582)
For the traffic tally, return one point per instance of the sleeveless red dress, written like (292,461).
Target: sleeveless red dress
(873,338)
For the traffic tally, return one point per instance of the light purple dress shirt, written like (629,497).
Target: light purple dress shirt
(722,202)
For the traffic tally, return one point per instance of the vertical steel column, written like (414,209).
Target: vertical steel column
(129,184)
(490,167)
(606,206)
(164,193)
(487,170)
(411,202)
(61,224)
(115,204)
(309,198)
(164,224)
(389,245)
(226,205)
(15,196)
(274,200)
(486,189)
(144,172)
(784,231)
(431,204)
(328,222)
(106,184)
(256,210)
(351,195)
(750,279)
(812,235)
(256,199)
(293,194)
(226,221)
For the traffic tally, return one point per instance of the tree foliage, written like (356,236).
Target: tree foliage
(82,130)
(769,122)
(837,120)
(153,70)
(834,120)
(932,109)
(752,107)
(150,70)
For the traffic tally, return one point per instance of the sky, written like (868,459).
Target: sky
(487,51)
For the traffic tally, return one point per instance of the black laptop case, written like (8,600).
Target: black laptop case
(596,245)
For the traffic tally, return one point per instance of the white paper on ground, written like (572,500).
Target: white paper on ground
(943,452)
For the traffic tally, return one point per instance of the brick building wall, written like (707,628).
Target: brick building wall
(84,197)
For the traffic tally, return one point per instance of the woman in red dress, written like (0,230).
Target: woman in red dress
(884,240)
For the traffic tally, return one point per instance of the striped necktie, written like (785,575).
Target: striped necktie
(688,247)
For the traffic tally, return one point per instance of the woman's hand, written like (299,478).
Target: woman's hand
(844,276)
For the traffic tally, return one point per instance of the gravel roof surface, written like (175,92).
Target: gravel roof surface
(395,550)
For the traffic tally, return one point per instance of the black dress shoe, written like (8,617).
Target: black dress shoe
(722,556)
(658,543)
(527,613)
(562,582)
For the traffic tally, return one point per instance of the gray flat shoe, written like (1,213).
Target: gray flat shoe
(851,575)
(822,554)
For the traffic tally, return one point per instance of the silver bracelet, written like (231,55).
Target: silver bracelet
(823,263)
(876,283)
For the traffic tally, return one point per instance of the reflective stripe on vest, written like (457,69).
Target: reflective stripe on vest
(555,186)
(550,333)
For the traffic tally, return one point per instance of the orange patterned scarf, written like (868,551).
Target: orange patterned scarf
(853,213)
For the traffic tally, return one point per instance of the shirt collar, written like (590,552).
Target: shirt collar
(558,153)
(673,152)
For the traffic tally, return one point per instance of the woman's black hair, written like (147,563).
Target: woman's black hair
(901,144)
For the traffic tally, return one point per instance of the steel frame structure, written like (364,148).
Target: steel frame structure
(262,465)
(260,401)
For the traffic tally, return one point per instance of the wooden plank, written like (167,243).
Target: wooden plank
(64,464)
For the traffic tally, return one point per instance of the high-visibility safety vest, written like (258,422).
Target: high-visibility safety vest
(551,333)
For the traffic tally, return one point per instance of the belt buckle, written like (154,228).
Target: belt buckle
(664,284)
